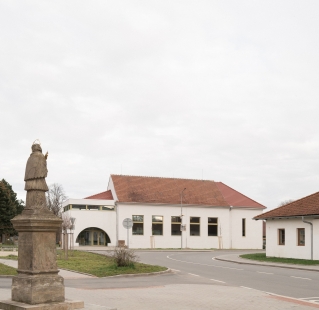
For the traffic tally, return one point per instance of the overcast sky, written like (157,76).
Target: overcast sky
(220,90)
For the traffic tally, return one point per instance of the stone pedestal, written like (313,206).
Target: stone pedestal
(38,285)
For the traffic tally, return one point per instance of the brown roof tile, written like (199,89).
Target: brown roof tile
(235,198)
(104,195)
(308,205)
(167,190)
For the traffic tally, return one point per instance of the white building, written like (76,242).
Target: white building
(293,230)
(213,215)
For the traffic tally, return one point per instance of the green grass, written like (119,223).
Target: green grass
(7,271)
(94,264)
(100,265)
(262,257)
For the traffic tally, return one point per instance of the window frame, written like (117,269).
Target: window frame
(243,227)
(194,224)
(158,223)
(299,230)
(212,224)
(176,223)
(281,236)
(138,222)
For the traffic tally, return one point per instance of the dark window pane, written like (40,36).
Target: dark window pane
(212,230)
(137,229)
(93,207)
(157,229)
(176,219)
(138,218)
(176,230)
(194,230)
(212,220)
(194,220)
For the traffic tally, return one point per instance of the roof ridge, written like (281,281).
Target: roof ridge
(143,176)
(290,203)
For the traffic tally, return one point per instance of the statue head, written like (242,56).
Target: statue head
(36,148)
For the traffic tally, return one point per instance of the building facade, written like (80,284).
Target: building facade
(293,229)
(166,213)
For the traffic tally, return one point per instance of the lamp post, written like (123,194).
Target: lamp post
(182,217)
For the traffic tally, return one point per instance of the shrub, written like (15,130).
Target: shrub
(124,257)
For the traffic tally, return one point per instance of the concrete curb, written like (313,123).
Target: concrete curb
(140,274)
(265,265)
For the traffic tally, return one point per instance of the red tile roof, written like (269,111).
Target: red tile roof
(235,198)
(305,206)
(104,195)
(168,190)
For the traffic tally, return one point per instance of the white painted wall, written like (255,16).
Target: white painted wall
(253,239)
(105,220)
(291,248)
(229,225)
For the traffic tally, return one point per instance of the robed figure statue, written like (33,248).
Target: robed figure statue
(35,173)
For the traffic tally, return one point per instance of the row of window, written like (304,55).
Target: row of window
(88,207)
(176,227)
(300,236)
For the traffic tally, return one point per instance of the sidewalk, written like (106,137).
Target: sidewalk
(234,258)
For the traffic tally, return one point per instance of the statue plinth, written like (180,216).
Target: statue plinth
(37,280)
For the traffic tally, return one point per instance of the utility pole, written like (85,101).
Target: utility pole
(182,217)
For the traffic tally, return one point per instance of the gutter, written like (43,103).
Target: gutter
(302,218)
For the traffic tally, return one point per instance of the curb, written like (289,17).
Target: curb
(168,270)
(265,265)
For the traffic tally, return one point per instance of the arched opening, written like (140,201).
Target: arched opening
(93,236)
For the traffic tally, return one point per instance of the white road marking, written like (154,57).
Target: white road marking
(218,281)
(300,278)
(196,275)
(248,288)
(178,260)
(264,272)
(175,270)
(306,298)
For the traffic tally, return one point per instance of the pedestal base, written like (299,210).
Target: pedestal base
(66,305)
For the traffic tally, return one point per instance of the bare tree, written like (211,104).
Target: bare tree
(55,197)
(285,202)
(66,224)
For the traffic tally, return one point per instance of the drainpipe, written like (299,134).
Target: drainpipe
(117,224)
(230,227)
(311,235)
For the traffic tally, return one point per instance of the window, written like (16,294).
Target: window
(243,227)
(157,225)
(176,226)
(212,226)
(194,226)
(138,225)
(281,236)
(301,236)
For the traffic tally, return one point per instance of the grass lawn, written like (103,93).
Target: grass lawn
(7,271)
(262,257)
(100,265)
(95,264)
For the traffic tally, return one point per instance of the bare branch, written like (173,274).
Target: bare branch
(55,197)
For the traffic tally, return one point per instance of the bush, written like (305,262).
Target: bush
(124,257)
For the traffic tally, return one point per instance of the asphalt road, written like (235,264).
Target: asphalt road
(201,265)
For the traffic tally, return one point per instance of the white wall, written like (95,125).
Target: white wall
(105,220)
(253,239)
(291,248)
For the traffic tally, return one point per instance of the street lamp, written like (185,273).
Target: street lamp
(182,217)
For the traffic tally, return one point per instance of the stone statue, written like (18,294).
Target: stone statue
(35,173)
